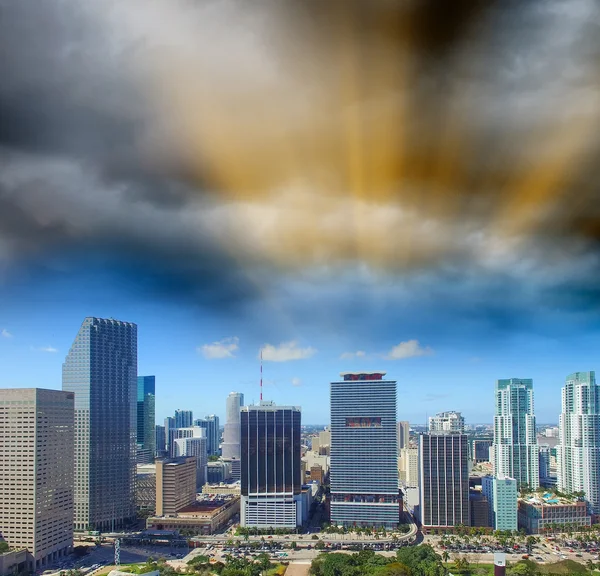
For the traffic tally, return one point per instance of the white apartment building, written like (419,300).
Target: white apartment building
(447,422)
(578,453)
(36,472)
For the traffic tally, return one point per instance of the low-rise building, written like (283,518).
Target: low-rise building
(234,489)
(542,513)
(13,562)
(203,517)
(316,474)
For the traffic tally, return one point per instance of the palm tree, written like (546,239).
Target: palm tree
(445,556)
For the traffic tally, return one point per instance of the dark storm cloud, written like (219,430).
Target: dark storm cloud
(87,159)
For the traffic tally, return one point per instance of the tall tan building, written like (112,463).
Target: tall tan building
(175,484)
(36,472)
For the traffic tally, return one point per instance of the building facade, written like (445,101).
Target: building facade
(160,442)
(192,442)
(101,369)
(539,516)
(232,431)
(364,453)
(146,432)
(515,449)
(409,467)
(481,450)
(37,439)
(213,433)
(175,484)
(478,509)
(184,418)
(501,494)
(578,453)
(444,480)
(270,470)
(452,422)
(403,429)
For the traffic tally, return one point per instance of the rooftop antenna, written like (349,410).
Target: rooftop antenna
(261,375)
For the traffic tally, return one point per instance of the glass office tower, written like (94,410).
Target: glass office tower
(101,368)
(364,453)
(270,471)
(146,431)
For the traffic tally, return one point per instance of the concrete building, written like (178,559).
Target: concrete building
(478,509)
(501,494)
(36,474)
(145,488)
(578,454)
(175,485)
(217,472)
(101,369)
(515,446)
(314,444)
(403,429)
(364,452)
(317,474)
(271,488)
(232,431)
(14,562)
(324,438)
(409,466)
(222,489)
(204,517)
(192,442)
(540,513)
(146,425)
(447,422)
(443,480)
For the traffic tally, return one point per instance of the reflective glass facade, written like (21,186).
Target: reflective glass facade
(364,453)
(101,368)
(146,436)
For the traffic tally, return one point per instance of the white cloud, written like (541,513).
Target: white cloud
(408,349)
(352,355)
(5,333)
(285,352)
(225,348)
(296,382)
(50,349)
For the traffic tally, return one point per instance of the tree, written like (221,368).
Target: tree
(445,556)
(320,545)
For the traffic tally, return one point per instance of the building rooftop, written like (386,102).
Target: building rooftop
(350,376)
(549,499)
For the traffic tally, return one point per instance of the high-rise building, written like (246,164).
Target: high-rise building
(169,428)
(443,422)
(544,465)
(36,472)
(270,446)
(192,442)
(101,368)
(146,431)
(444,480)
(479,509)
(578,453)
(175,484)
(184,418)
(211,425)
(364,453)
(161,441)
(403,428)
(231,434)
(501,494)
(481,450)
(515,448)
(409,471)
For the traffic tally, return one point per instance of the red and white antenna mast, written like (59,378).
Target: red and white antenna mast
(261,374)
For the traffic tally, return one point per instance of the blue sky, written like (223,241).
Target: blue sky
(233,178)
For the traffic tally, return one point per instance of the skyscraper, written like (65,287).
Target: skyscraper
(364,453)
(403,429)
(191,441)
(270,446)
(169,427)
(578,454)
(231,434)
(444,479)
(161,441)
(447,422)
(211,425)
(184,418)
(36,472)
(101,368)
(146,431)
(515,446)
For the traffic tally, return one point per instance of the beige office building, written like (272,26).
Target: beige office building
(36,472)
(409,466)
(175,484)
